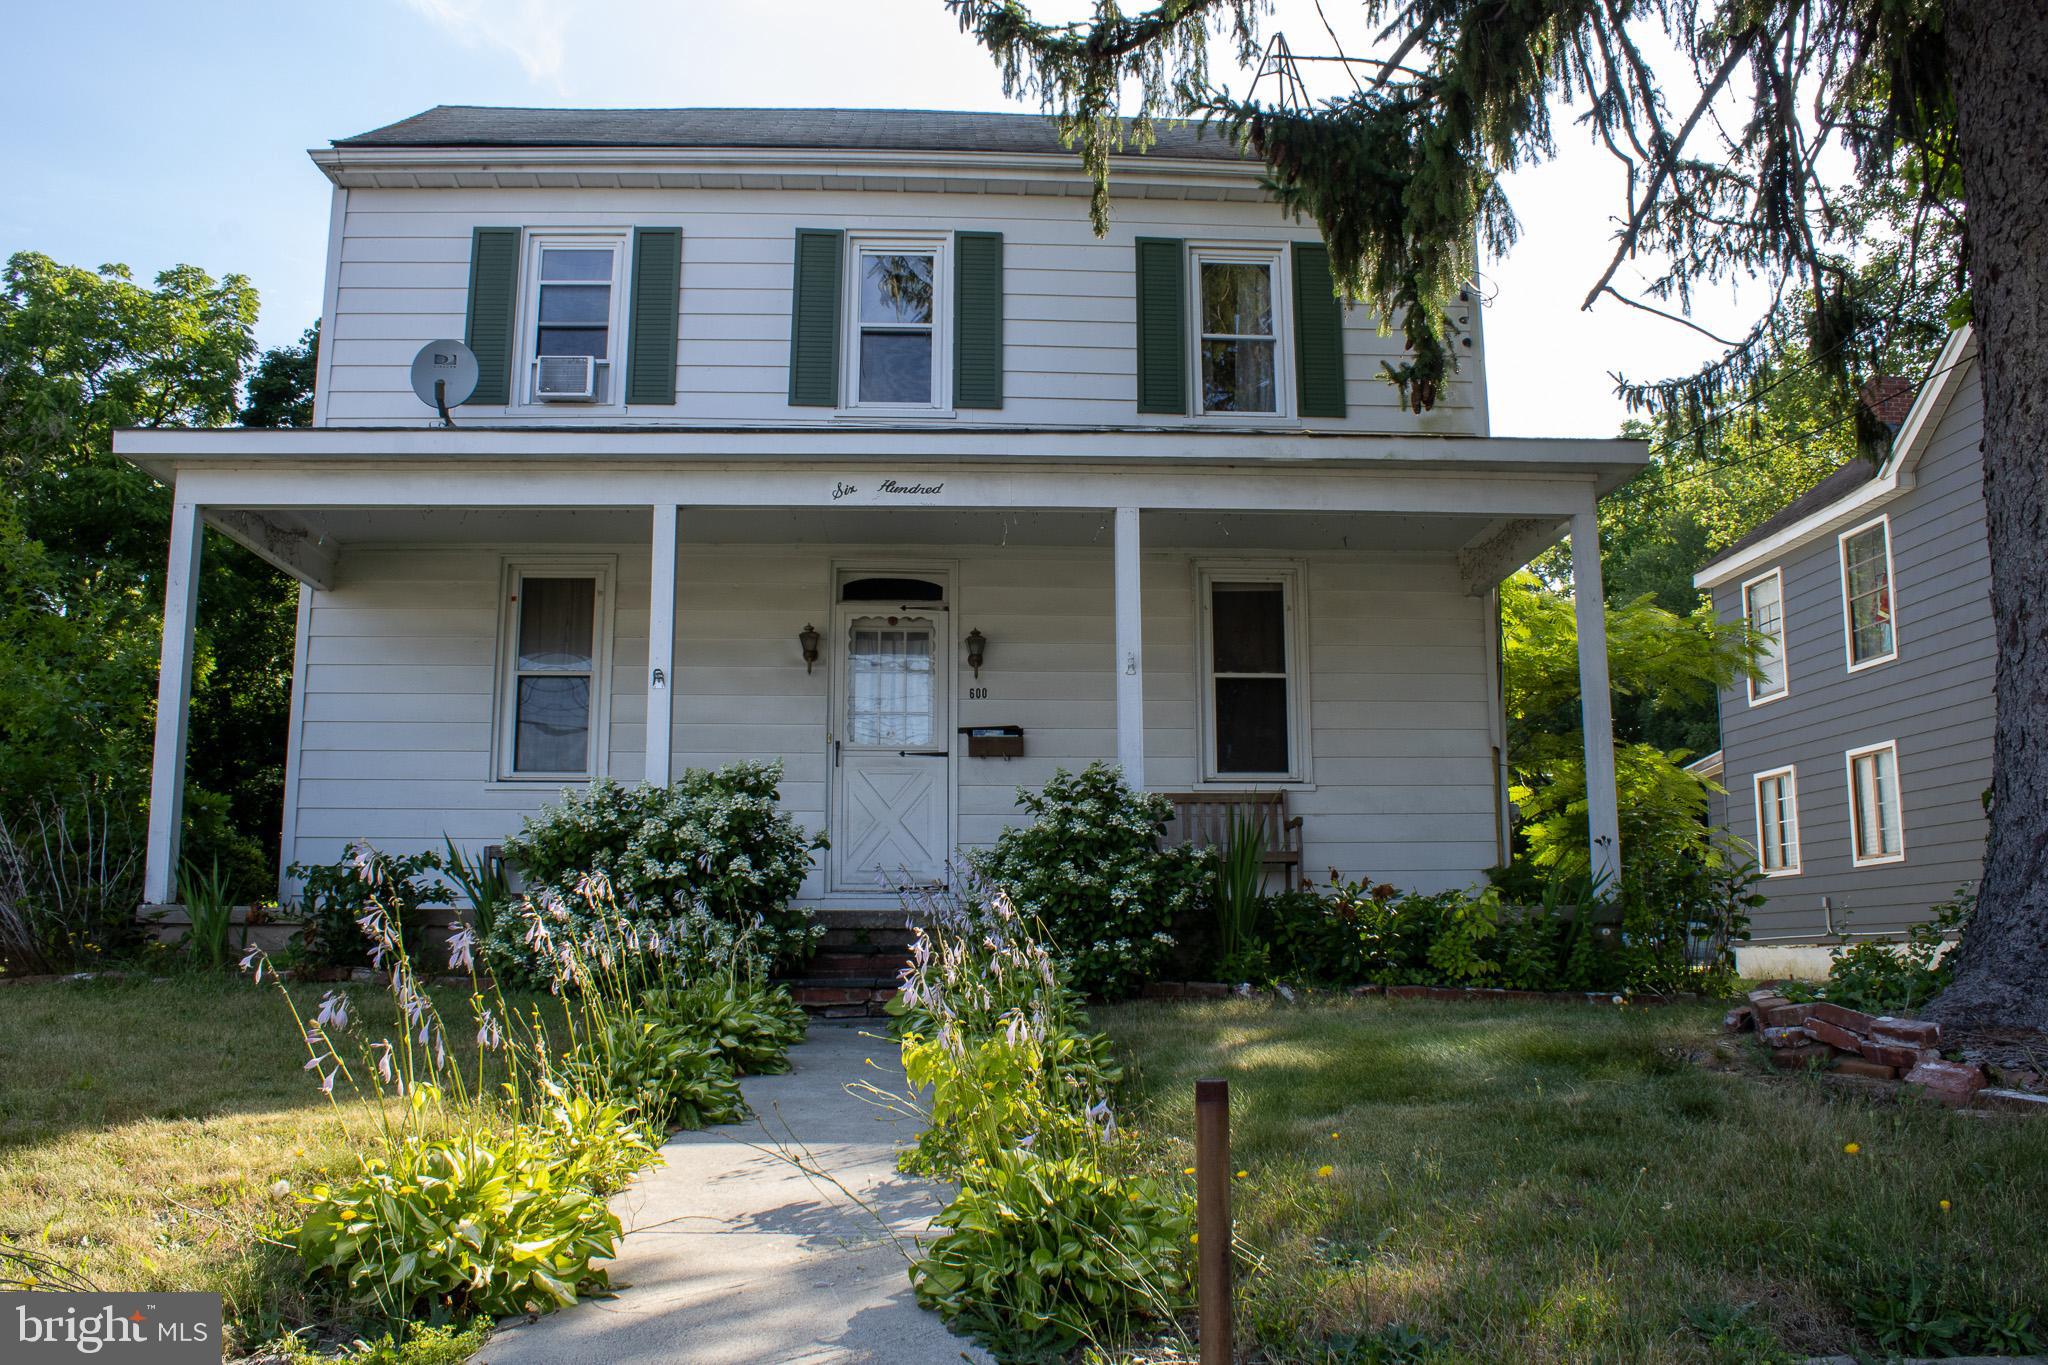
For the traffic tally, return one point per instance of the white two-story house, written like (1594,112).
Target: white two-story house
(834,436)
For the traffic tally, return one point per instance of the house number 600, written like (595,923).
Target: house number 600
(977,694)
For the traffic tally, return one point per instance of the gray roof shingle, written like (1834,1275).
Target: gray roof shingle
(879,130)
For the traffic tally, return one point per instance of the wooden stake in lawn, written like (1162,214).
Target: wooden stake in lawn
(1212,1218)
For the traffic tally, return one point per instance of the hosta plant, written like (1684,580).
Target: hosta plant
(674,1078)
(1038,1254)
(483,1222)
(752,1024)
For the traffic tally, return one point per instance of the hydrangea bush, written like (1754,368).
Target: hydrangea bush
(703,867)
(1092,870)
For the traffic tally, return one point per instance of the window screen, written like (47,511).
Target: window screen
(554,670)
(1248,666)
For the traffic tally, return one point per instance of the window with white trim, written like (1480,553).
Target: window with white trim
(1763,606)
(1868,619)
(553,670)
(1239,364)
(1252,703)
(573,317)
(1876,827)
(1777,822)
(898,344)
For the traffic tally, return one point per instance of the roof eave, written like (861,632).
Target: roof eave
(1893,477)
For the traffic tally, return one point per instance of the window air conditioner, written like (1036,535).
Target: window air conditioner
(565,379)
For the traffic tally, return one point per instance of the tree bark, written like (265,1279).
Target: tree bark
(1998,52)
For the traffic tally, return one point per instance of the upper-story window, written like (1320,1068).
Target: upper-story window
(1867,612)
(1237,346)
(898,348)
(1763,605)
(574,330)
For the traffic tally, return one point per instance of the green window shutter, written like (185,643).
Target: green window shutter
(1318,334)
(651,328)
(814,319)
(493,288)
(977,319)
(1162,325)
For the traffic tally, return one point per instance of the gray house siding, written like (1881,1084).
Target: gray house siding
(1934,701)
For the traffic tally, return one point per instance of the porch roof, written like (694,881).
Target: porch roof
(1607,463)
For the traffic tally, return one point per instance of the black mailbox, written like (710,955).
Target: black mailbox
(994,741)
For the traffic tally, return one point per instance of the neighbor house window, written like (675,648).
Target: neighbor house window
(1252,690)
(573,326)
(897,349)
(1874,818)
(1867,593)
(1763,604)
(1777,822)
(1238,346)
(552,692)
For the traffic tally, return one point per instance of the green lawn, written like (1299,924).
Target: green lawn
(144,1124)
(1561,1183)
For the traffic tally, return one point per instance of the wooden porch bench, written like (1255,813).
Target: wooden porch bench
(1205,818)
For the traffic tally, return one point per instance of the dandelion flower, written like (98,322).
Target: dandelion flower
(1325,1172)
(1945,1206)
(1333,1137)
(1188,1171)
(1194,1237)
(1852,1148)
(1242,1174)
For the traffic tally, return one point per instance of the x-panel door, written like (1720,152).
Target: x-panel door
(892,752)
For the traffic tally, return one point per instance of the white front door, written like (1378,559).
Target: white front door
(893,754)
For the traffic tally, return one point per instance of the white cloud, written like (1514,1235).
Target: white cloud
(534,32)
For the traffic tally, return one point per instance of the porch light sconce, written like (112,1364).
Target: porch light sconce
(808,638)
(977,645)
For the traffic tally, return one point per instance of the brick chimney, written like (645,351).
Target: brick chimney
(1888,398)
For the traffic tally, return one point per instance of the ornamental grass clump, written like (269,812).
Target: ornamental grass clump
(483,1189)
(1050,1241)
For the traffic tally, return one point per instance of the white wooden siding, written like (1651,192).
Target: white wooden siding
(1069,332)
(395,744)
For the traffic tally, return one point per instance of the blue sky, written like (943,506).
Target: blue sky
(153,134)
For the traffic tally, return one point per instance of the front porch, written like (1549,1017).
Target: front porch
(1091,585)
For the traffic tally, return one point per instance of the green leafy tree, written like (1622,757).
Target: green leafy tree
(83,534)
(1724,154)
(281,385)
(1656,658)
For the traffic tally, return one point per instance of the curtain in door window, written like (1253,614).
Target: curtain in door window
(890,687)
(554,669)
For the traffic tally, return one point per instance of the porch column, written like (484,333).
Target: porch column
(661,645)
(1130,652)
(173,703)
(1603,820)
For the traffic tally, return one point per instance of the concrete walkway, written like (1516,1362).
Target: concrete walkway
(732,1255)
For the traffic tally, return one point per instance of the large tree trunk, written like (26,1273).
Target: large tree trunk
(1999,54)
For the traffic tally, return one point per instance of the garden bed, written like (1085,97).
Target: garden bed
(1515,1182)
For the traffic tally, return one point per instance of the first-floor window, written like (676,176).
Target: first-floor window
(1875,822)
(1777,822)
(553,690)
(1252,684)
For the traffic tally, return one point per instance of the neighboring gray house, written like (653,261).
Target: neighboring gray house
(1857,764)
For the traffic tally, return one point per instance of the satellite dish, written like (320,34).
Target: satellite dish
(444,375)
